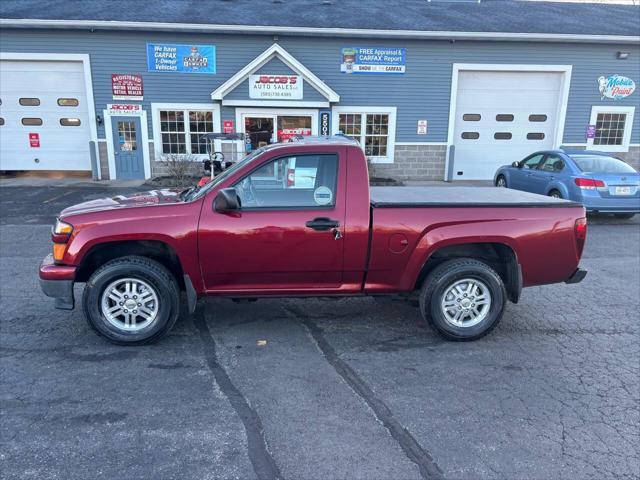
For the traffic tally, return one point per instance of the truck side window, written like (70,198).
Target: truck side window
(295,181)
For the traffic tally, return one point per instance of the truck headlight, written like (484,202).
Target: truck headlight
(62,228)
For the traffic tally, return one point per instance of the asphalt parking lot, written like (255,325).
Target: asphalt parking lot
(321,389)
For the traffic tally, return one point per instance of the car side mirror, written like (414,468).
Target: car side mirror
(227,201)
(516,164)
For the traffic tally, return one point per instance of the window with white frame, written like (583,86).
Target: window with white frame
(372,127)
(179,129)
(612,128)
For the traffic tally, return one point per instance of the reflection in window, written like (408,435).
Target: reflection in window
(610,128)
(502,136)
(127,136)
(370,130)
(470,135)
(504,117)
(29,102)
(293,181)
(172,130)
(32,121)
(471,117)
(68,102)
(291,126)
(199,124)
(70,122)
(535,136)
(537,118)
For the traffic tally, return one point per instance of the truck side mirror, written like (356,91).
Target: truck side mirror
(516,164)
(227,201)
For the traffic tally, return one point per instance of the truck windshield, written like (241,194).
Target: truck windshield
(602,164)
(229,171)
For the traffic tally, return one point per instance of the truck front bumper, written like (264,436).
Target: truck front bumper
(56,281)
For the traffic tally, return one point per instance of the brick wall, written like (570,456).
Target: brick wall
(414,162)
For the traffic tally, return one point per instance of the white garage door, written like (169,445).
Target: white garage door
(501,117)
(43,103)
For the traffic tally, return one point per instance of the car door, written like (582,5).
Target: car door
(520,177)
(546,173)
(288,233)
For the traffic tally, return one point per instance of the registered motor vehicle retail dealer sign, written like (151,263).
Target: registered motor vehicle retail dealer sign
(181,58)
(278,87)
(381,60)
(126,87)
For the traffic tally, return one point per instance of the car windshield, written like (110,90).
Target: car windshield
(601,163)
(226,173)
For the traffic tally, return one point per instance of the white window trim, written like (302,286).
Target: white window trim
(275,112)
(391,135)
(628,125)
(185,107)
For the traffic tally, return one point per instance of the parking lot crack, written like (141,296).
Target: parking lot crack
(409,445)
(263,463)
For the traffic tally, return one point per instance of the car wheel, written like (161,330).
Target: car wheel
(555,194)
(624,216)
(131,300)
(501,181)
(463,299)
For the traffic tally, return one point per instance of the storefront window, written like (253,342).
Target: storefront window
(172,128)
(199,124)
(291,126)
(179,136)
(371,130)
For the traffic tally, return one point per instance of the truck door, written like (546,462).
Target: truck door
(288,234)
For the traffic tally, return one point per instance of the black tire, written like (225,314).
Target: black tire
(443,277)
(555,194)
(153,274)
(624,216)
(501,177)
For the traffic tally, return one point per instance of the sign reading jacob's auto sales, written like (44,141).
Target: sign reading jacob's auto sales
(126,87)
(275,87)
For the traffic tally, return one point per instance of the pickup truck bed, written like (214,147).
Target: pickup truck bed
(397,197)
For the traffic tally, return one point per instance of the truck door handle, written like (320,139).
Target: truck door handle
(322,224)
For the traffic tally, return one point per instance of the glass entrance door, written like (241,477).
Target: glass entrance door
(260,129)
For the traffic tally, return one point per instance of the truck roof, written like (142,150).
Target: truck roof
(327,140)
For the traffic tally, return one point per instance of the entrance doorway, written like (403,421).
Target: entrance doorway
(127,147)
(265,126)
(260,130)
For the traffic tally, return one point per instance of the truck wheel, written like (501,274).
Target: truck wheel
(463,299)
(131,300)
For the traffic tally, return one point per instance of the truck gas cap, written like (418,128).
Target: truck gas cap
(398,243)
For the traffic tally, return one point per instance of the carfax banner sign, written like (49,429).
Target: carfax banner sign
(373,60)
(181,58)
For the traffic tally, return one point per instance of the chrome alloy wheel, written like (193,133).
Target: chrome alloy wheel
(502,183)
(466,303)
(129,304)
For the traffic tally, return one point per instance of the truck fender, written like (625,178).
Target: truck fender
(450,235)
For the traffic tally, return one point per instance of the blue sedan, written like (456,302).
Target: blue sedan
(600,182)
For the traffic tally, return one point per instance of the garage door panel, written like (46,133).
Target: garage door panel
(62,147)
(493,93)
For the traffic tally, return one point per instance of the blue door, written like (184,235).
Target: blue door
(127,148)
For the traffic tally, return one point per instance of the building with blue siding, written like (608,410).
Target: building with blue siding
(432,90)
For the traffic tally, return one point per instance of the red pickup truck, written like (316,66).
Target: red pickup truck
(299,219)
